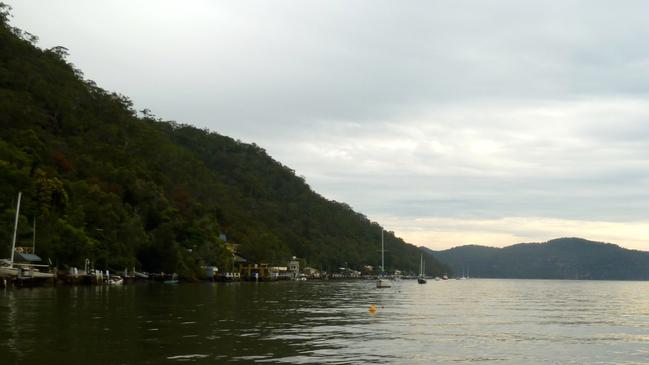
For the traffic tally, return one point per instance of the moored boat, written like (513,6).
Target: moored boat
(381,281)
(421,279)
(6,270)
(115,280)
(23,263)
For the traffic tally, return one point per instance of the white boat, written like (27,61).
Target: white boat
(140,275)
(7,268)
(301,277)
(22,271)
(27,269)
(7,271)
(37,274)
(463,277)
(382,282)
(421,279)
(115,280)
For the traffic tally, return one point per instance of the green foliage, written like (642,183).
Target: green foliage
(127,191)
(49,192)
(4,13)
(70,244)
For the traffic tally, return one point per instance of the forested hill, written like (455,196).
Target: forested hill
(564,258)
(126,189)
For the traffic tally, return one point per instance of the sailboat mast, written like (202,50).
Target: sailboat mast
(34,238)
(13,242)
(382,253)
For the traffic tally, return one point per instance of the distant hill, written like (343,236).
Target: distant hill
(124,188)
(564,258)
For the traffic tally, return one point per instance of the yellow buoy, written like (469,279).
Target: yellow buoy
(372,308)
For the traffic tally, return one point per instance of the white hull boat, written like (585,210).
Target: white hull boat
(383,283)
(8,272)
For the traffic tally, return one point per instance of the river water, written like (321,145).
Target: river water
(444,322)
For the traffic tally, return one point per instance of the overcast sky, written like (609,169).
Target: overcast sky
(449,122)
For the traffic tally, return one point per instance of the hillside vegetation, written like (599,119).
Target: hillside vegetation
(124,189)
(564,258)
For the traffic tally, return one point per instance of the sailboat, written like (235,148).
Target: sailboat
(463,277)
(28,269)
(7,268)
(421,279)
(382,282)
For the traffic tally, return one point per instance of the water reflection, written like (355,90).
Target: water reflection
(486,321)
(13,327)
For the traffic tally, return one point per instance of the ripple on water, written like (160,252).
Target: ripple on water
(464,322)
(187,357)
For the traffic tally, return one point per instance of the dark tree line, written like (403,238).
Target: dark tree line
(564,258)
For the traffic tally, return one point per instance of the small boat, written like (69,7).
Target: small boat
(173,280)
(140,275)
(115,280)
(301,277)
(23,262)
(463,277)
(421,279)
(382,282)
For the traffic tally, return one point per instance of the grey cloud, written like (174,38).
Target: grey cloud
(330,60)
(422,109)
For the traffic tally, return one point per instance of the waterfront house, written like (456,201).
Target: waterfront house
(348,273)
(311,273)
(294,267)
(251,271)
(233,272)
(280,273)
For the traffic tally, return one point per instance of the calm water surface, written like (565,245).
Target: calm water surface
(447,322)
